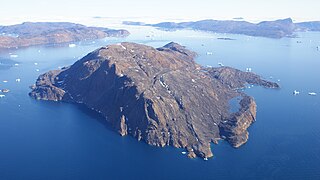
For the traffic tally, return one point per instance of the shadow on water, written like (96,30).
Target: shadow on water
(6,64)
(94,115)
(83,109)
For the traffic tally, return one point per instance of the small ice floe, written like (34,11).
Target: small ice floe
(16,64)
(271,77)
(36,64)
(209,53)
(248,69)
(312,93)
(208,66)
(13,56)
(183,152)
(220,64)
(18,80)
(295,92)
(278,80)
(5,90)
(72,45)
(39,51)
(5,81)
(205,159)
(2,95)
(37,70)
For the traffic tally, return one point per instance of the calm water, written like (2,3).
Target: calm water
(52,140)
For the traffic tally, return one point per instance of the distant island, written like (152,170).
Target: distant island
(226,39)
(270,29)
(158,95)
(41,33)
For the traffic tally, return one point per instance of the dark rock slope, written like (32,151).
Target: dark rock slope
(160,96)
(29,33)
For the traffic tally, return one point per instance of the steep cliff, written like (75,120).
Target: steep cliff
(160,96)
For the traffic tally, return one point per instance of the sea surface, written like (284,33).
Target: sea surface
(54,140)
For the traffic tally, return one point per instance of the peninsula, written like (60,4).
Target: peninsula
(158,95)
(42,33)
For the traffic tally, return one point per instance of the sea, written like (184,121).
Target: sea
(56,140)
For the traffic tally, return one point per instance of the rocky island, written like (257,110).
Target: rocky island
(158,95)
(270,29)
(41,33)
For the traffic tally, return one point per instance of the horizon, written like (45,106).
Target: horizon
(116,21)
(82,11)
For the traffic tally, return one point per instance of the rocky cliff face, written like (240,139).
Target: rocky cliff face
(28,34)
(160,96)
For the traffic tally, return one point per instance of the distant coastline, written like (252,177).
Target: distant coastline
(43,33)
(271,29)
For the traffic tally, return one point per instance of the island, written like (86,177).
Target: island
(42,33)
(158,95)
(270,29)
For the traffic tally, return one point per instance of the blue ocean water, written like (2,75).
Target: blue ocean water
(54,140)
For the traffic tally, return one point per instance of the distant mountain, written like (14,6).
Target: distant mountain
(309,26)
(133,23)
(271,29)
(238,18)
(37,33)
(160,96)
